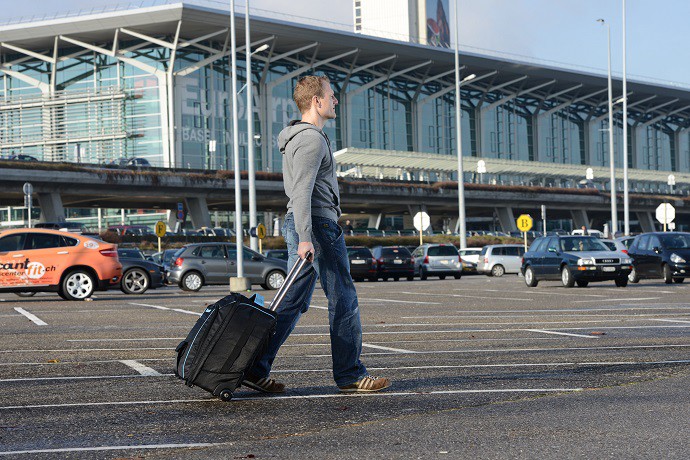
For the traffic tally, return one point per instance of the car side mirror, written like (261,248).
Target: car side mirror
(656,249)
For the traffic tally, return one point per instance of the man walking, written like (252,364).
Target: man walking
(311,227)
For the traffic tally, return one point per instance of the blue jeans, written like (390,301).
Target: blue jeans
(331,265)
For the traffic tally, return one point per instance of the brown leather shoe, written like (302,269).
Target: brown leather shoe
(367,384)
(264,385)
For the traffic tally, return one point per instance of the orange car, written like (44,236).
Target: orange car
(40,260)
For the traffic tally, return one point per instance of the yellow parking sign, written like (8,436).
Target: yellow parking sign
(261,231)
(524,223)
(160,229)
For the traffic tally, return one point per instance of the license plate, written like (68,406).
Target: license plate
(444,262)
(397,261)
(358,262)
(609,269)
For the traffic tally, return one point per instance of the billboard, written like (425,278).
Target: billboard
(437,28)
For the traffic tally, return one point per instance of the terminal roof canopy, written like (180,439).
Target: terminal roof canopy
(422,68)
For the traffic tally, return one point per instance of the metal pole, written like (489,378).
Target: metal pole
(458,131)
(626,206)
(236,144)
(250,129)
(612,156)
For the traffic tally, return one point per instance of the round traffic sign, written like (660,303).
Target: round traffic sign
(524,222)
(261,231)
(28,188)
(160,229)
(421,221)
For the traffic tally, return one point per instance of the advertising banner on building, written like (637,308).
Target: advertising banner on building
(437,28)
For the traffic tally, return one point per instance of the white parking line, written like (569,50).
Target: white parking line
(379,347)
(104,448)
(386,368)
(398,301)
(672,320)
(140,368)
(561,333)
(31,316)
(467,296)
(306,396)
(166,308)
(550,315)
(618,300)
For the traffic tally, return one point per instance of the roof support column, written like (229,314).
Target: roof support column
(506,218)
(51,207)
(197,209)
(580,218)
(646,221)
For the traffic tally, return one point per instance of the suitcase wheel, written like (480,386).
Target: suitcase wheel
(226,395)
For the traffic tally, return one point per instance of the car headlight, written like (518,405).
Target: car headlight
(585,262)
(626,260)
(676,259)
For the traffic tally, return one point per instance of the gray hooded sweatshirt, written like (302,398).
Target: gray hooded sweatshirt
(309,176)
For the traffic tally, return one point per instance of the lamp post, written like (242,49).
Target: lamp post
(626,204)
(612,156)
(238,283)
(251,172)
(458,134)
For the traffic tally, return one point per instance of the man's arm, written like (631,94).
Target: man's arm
(306,162)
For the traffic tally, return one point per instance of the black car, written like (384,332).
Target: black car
(574,259)
(393,262)
(138,274)
(660,255)
(362,263)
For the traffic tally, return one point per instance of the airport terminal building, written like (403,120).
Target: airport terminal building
(154,83)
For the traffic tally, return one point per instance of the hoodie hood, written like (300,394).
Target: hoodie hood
(291,130)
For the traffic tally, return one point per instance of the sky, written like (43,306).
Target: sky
(558,33)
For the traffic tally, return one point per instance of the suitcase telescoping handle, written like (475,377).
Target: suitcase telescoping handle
(291,277)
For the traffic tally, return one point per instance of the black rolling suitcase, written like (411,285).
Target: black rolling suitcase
(226,340)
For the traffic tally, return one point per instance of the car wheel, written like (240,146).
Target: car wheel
(191,281)
(358,280)
(373,279)
(567,277)
(25,294)
(530,279)
(632,276)
(622,282)
(442,277)
(675,280)
(275,279)
(385,278)
(668,275)
(135,281)
(582,283)
(498,271)
(77,285)
(457,277)
(422,274)
(396,279)
(410,278)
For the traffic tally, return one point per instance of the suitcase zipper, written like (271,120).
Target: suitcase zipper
(191,344)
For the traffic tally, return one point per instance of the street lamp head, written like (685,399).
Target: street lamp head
(601,21)
(263,47)
(469,77)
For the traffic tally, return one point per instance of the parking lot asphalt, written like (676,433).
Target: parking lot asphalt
(481,367)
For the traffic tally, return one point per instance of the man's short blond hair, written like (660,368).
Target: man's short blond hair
(305,90)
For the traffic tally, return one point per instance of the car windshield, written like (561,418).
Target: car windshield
(130,254)
(442,251)
(610,244)
(395,252)
(358,252)
(582,244)
(675,241)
